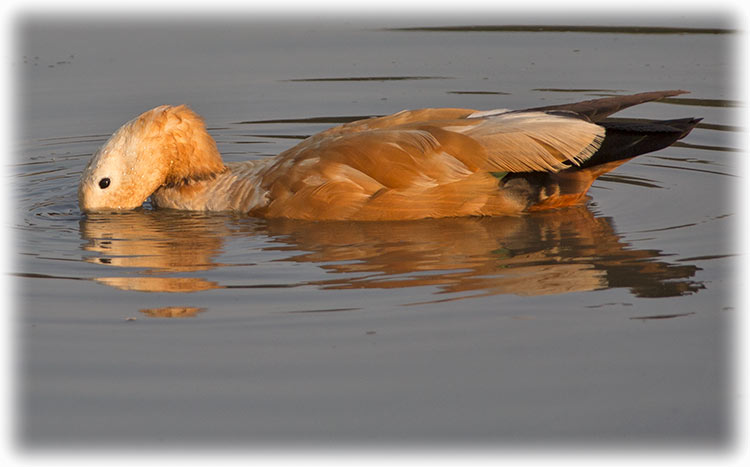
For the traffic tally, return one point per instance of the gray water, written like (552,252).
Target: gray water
(608,323)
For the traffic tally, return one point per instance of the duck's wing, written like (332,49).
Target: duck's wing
(405,117)
(598,109)
(438,168)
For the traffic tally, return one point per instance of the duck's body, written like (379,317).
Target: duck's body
(409,165)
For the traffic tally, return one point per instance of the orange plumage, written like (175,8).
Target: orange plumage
(409,165)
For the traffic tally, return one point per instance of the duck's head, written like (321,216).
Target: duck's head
(165,146)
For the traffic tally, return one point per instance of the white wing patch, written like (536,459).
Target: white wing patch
(533,141)
(487,113)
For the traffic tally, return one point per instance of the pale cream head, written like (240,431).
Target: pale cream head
(166,145)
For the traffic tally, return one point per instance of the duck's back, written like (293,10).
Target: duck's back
(406,167)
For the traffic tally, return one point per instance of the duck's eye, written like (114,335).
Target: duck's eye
(104,183)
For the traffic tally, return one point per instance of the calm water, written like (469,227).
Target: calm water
(605,323)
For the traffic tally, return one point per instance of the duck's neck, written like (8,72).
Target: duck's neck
(191,153)
(235,188)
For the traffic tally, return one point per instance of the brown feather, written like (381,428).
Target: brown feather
(415,171)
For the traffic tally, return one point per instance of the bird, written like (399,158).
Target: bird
(414,164)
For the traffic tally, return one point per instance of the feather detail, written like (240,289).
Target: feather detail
(535,141)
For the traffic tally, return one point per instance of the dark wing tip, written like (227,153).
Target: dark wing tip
(598,109)
(670,93)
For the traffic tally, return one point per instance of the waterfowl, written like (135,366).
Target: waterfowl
(414,164)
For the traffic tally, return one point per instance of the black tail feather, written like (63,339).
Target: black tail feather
(624,140)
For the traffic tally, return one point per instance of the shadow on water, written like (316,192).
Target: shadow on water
(569,250)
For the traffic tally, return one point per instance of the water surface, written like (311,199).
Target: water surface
(603,323)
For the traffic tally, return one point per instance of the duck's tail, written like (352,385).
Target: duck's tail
(623,141)
(627,139)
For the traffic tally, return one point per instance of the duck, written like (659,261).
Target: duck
(414,164)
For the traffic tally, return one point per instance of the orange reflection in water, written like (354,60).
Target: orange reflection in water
(173,312)
(554,252)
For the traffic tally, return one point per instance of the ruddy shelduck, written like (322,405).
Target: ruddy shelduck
(410,165)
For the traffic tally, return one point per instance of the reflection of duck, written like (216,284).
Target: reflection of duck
(560,251)
(150,241)
(550,252)
(173,312)
(410,165)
